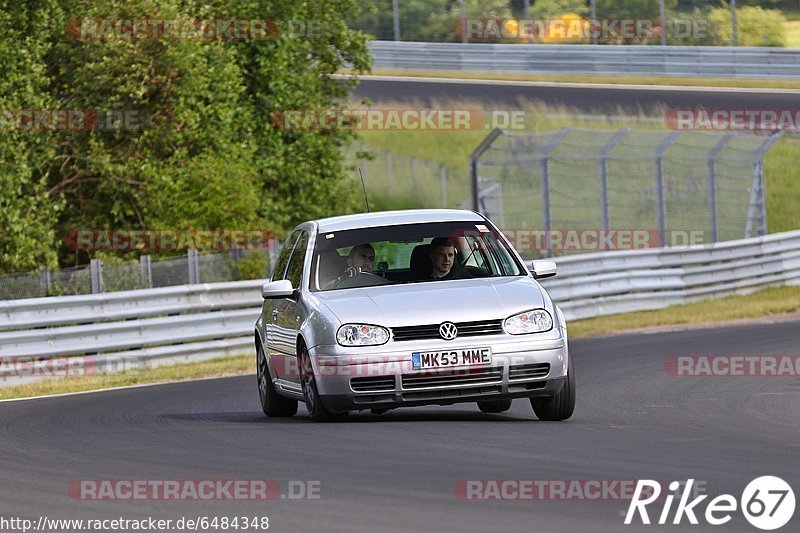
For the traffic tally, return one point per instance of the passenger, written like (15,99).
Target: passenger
(443,255)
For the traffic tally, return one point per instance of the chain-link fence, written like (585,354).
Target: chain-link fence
(142,274)
(396,181)
(670,188)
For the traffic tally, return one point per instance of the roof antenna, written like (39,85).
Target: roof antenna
(364,186)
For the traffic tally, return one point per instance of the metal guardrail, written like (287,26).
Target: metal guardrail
(638,280)
(78,335)
(694,61)
(153,327)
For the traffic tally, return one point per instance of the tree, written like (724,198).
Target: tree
(756,26)
(474,9)
(200,150)
(27,209)
(301,173)
(545,9)
(631,9)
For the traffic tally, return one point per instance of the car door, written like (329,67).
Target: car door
(286,314)
(269,307)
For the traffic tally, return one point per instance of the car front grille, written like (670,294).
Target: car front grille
(372,383)
(529,371)
(465,329)
(464,377)
(453,395)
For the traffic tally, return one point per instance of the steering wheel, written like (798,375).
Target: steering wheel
(352,272)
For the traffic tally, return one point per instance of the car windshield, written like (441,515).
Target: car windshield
(410,253)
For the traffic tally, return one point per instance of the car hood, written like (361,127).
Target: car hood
(432,303)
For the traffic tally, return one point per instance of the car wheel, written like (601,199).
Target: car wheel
(494,406)
(272,403)
(562,405)
(316,409)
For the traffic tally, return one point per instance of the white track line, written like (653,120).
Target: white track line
(555,84)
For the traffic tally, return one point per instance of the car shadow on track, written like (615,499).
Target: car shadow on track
(237,417)
(364,417)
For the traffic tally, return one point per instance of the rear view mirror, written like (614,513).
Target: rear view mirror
(543,268)
(277,289)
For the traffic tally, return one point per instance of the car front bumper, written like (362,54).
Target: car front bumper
(366,378)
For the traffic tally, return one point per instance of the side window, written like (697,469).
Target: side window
(283,257)
(295,270)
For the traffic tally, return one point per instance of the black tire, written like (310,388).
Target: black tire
(562,405)
(316,408)
(273,404)
(494,406)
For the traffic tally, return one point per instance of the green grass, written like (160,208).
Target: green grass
(773,301)
(793,34)
(754,83)
(782,171)
(453,148)
(227,366)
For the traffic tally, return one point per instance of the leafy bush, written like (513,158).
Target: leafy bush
(631,8)
(203,152)
(755,26)
(556,8)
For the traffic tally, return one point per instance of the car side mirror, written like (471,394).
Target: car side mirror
(543,268)
(277,289)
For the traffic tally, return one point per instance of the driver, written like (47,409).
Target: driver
(361,257)
(359,260)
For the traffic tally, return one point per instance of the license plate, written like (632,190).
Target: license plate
(451,358)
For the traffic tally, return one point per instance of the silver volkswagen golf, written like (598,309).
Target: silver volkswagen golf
(406,308)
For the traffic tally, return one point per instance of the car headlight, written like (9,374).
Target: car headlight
(535,321)
(362,335)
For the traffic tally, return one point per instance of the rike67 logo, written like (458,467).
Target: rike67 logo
(767,503)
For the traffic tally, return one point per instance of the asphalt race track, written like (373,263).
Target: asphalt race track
(603,99)
(397,471)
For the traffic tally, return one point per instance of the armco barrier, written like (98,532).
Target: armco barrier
(695,61)
(152,327)
(130,329)
(637,280)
